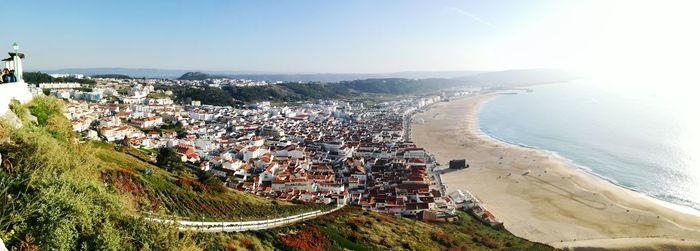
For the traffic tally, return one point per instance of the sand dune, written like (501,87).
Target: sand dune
(554,203)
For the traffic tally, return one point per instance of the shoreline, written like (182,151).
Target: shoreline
(558,203)
(670,205)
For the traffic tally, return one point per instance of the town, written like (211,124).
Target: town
(330,152)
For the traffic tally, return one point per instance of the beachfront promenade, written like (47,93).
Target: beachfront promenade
(239,226)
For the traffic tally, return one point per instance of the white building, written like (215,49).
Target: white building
(140,91)
(58,85)
(201,115)
(148,122)
(16,90)
(66,75)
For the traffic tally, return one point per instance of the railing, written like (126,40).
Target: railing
(238,226)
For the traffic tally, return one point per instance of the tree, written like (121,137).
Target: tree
(168,160)
(213,182)
(40,77)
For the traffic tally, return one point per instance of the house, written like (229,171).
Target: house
(330,187)
(148,122)
(253,152)
(298,184)
(278,185)
(232,164)
(308,196)
(413,209)
(205,166)
(414,152)
(434,216)
(187,153)
(81,124)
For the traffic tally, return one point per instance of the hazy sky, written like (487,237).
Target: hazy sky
(343,36)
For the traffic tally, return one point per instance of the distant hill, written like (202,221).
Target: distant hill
(117,76)
(200,76)
(327,77)
(133,72)
(501,78)
(512,78)
(293,91)
(267,76)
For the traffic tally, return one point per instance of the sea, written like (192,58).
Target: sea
(643,139)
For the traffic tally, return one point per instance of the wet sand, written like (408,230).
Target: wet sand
(555,203)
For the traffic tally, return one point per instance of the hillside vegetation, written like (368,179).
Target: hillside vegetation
(322,77)
(207,95)
(40,77)
(354,229)
(59,194)
(199,76)
(51,195)
(292,92)
(115,76)
(295,91)
(309,91)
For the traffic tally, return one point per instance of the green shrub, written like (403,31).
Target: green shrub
(169,160)
(43,107)
(19,110)
(59,127)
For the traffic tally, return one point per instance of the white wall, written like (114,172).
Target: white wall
(9,91)
(2,246)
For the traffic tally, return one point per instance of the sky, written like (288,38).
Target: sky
(353,36)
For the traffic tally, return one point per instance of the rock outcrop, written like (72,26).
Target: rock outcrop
(11,119)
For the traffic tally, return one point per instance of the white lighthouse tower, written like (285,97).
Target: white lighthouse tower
(15,90)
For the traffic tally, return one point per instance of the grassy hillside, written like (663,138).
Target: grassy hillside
(310,91)
(295,91)
(182,195)
(353,229)
(51,195)
(207,95)
(292,92)
(59,194)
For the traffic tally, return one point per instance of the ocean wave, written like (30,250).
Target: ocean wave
(488,134)
(677,200)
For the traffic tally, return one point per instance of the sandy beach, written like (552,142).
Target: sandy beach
(555,203)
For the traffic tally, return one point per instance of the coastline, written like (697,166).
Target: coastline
(556,203)
(672,206)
